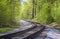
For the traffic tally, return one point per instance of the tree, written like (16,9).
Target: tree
(8,12)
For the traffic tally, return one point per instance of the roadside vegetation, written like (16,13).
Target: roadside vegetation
(3,30)
(9,10)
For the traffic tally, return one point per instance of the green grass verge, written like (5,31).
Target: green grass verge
(58,29)
(2,30)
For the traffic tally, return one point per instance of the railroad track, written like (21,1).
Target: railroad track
(29,33)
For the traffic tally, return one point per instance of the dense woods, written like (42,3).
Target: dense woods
(43,11)
(9,9)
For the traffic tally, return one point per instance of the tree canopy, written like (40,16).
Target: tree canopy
(43,11)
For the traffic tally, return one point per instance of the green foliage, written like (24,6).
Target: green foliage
(45,11)
(9,9)
(42,10)
(42,15)
(55,11)
(2,30)
(26,10)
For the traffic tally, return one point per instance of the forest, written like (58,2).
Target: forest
(41,11)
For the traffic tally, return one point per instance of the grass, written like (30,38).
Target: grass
(55,25)
(2,30)
(58,29)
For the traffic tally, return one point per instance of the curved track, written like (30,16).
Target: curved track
(49,33)
(38,31)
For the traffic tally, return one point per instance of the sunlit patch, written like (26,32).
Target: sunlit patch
(23,0)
